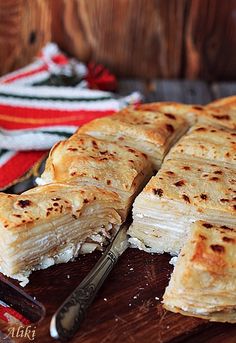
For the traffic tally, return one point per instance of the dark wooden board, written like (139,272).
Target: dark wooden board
(128,307)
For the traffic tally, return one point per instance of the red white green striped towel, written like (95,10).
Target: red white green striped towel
(45,102)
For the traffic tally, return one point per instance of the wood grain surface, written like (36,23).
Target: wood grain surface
(155,38)
(25,26)
(128,307)
(135,38)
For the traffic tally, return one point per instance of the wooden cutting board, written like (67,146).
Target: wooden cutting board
(128,307)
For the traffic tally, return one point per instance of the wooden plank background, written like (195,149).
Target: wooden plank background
(136,38)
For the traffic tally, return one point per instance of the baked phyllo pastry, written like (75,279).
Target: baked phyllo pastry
(224,116)
(181,193)
(86,160)
(227,103)
(152,133)
(208,142)
(170,108)
(203,283)
(52,224)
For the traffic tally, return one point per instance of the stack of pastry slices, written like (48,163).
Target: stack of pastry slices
(85,192)
(190,204)
(188,208)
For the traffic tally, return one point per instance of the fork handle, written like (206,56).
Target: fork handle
(68,318)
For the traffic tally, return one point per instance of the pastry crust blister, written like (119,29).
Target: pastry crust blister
(207,142)
(179,194)
(86,160)
(223,116)
(203,283)
(150,132)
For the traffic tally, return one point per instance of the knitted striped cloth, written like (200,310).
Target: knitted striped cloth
(45,102)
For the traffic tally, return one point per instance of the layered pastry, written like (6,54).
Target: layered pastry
(150,132)
(226,103)
(203,283)
(170,108)
(86,160)
(182,193)
(52,224)
(223,116)
(211,143)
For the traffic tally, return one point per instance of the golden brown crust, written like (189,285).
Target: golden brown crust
(229,102)
(222,116)
(44,203)
(170,109)
(82,158)
(152,126)
(203,282)
(205,186)
(214,247)
(207,142)
(150,132)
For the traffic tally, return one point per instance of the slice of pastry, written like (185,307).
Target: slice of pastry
(203,283)
(152,133)
(181,193)
(228,102)
(170,108)
(52,224)
(207,142)
(223,116)
(86,160)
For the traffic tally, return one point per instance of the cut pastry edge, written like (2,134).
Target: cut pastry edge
(168,200)
(202,284)
(83,158)
(72,220)
(97,240)
(126,198)
(217,316)
(154,139)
